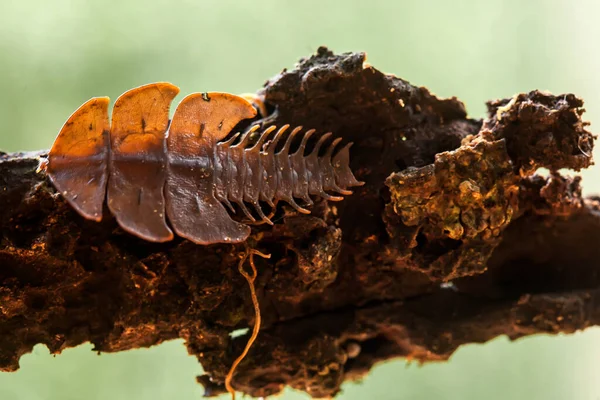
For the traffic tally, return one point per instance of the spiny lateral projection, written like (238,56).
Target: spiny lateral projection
(149,169)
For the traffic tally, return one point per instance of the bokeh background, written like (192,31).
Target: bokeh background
(54,55)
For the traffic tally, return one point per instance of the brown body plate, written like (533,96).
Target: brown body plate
(200,121)
(137,166)
(77,162)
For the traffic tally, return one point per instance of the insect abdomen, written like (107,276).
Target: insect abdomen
(260,173)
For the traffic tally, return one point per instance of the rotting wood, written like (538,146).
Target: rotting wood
(452,240)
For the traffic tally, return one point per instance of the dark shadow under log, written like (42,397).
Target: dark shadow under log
(452,240)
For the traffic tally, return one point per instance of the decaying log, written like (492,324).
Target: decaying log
(454,239)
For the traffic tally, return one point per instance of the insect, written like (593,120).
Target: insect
(152,171)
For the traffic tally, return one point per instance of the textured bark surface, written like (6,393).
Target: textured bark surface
(452,240)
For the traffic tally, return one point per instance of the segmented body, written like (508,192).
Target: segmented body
(151,172)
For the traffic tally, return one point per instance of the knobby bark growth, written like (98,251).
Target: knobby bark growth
(454,239)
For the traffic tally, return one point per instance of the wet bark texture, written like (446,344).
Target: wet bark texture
(452,240)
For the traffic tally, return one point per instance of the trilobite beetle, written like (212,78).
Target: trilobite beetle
(159,177)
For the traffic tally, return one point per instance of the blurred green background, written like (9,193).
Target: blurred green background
(56,54)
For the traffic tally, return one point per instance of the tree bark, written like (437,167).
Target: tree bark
(453,239)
